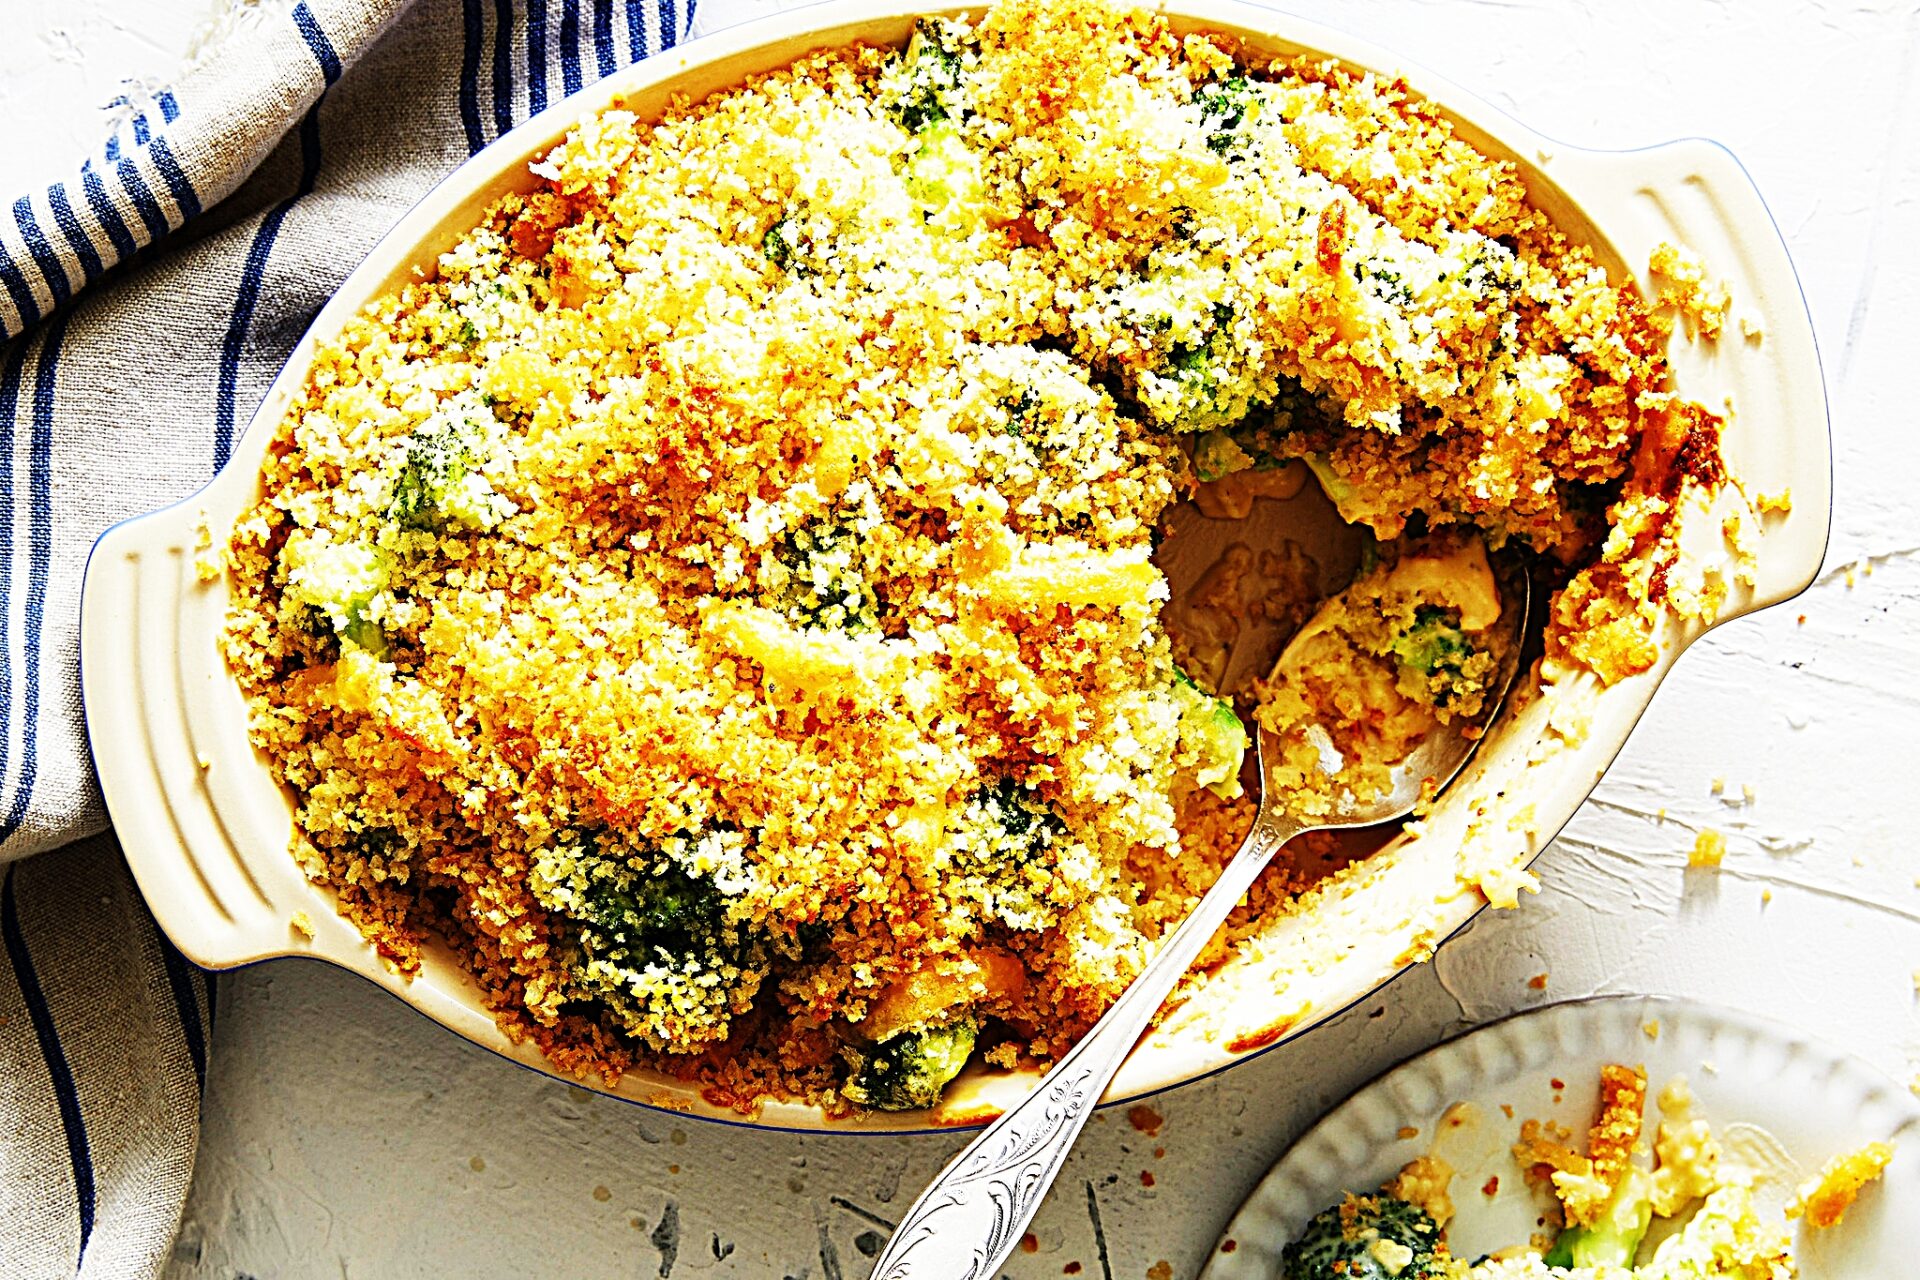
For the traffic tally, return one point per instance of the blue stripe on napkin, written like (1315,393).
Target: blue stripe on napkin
(58,1069)
(570,45)
(536,56)
(144,204)
(470,35)
(188,1004)
(604,57)
(104,212)
(184,196)
(41,250)
(502,66)
(260,253)
(39,562)
(76,235)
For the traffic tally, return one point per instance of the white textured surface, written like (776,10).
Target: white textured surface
(62,63)
(348,1136)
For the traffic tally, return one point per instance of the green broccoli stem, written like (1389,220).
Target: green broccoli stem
(1613,1238)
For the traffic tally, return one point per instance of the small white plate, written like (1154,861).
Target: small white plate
(1781,1101)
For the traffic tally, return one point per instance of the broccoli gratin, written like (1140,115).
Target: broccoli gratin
(1689,1213)
(717,598)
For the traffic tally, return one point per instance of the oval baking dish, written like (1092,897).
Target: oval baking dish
(207,830)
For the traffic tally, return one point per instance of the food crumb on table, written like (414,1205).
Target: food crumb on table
(1709,849)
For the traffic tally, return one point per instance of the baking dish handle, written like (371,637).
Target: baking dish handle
(153,685)
(1765,366)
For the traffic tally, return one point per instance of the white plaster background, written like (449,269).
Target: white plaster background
(346,1136)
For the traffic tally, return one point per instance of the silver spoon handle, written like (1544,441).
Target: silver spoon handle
(970,1218)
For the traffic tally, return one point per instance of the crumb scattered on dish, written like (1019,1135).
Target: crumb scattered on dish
(1606,1201)
(1823,1200)
(1683,283)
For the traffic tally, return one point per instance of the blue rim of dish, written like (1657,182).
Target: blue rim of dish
(1481,107)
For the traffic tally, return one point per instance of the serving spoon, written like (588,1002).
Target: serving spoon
(969,1219)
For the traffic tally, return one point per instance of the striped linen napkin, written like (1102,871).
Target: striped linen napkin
(146,301)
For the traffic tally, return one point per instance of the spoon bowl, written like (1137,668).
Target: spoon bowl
(970,1218)
(1441,755)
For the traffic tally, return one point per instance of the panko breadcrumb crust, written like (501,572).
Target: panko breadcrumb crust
(755,362)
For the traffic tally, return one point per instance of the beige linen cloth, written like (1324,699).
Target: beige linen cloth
(146,301)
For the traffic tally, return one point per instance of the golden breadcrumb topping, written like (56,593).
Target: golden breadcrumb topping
(1823,1200)
(1585,1182)
(718,598)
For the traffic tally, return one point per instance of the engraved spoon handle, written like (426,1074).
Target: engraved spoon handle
(968,1220)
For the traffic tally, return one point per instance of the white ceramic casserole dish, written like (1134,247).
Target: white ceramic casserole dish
(207,830)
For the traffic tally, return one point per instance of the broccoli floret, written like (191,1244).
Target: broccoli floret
(1615,1237)
(1376,1237)
(782,241)
(670,911)
(921,87)
(1213,741)
(818,577)
(941,171)
(1226,108)
(1202,382)
(1023,411)
(909,1071)
(656,943)
(1264,440)
(1006,842)
(1434,643)
(799,242)
(1434,656)
(1014,811)
(438,459)
(435,473)
(338,582)
(1383,282)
